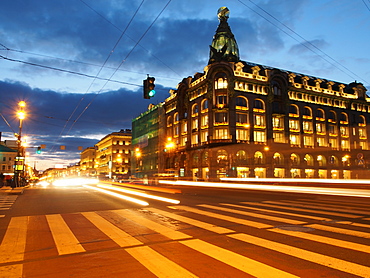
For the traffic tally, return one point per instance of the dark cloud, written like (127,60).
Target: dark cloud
(72,120)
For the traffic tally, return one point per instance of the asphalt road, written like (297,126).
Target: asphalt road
(77,231)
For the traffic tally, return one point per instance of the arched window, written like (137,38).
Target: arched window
(241,156)
(176,117)
(240,103)
(321,160)
(362,120)
(259,104)
(259,158)
(221,83)
(294,159)
(308,160)
(320,113)
(278,159)
(333,160)
(293,110)
(195,160)
(194,109)
(204,105)
(169,121)
(343,118)
(307,111)
(205,158)
(332,117)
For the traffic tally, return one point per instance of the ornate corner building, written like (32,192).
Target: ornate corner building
(240,119)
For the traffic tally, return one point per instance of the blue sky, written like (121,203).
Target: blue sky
(52,50)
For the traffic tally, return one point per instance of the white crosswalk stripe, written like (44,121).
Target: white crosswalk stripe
(237,222)
(6,203)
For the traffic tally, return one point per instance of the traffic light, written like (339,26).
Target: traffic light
(38,151)
(149,91)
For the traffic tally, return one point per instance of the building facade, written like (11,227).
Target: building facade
(241,119)
(113,155)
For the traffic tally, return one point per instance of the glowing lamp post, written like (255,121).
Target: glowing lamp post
(19,161)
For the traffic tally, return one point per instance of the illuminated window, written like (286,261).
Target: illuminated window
(307,126)
(344,131)
(295,140)
(176,117)
(221,133)
(362,133)
(221,83)
(308,160)
(169,121)
(259,158)
(205,158)
(278,137)
(259,136)
(333,130)
(221,101)
(343,118)
(320,128)
(204,121)
(361,121)
(194,124)
(294,125)
(294,159)
(344,144)
(259,120)
(333,142)
(242,134)
(307,112)
(241,156)
(277,123)
(321,142)
(308,141)
(194,139)
(204,136)
(278,159)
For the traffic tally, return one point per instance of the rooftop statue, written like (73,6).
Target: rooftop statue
(224,46)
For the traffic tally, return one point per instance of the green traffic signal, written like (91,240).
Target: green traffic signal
(149,85)
(38,151)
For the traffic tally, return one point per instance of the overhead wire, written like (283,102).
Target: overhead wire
(126,57)
(106,60)
(367,6)
(333,62)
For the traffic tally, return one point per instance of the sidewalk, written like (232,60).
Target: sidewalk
(7,190)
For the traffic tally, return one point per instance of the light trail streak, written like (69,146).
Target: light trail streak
(130,199)
(145,195)
(283,188)
(282,180)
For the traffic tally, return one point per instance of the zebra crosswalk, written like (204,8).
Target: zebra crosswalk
(248,239)
(6,201)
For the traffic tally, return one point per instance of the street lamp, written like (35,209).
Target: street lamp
(19,160)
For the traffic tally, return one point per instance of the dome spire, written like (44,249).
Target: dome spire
(224,46)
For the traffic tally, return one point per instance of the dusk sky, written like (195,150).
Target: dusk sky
(79,64)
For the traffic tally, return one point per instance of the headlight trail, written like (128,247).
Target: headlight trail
(130,199)
(283,188)
(145,195)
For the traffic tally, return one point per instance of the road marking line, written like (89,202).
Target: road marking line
(11,271)
(225,217)
(326,240)
(339,230)
(122,238)
(13,246)
(236,260)
(64,239)
(274,211)
(316,209)
(158,264)
(257,215)
(342,265)
(175,235)
(300,209)
(327,207)
(194,222)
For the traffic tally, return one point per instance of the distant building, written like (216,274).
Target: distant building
(7,160)
(241,119)
(113,154)
(148,140)
(87,162)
